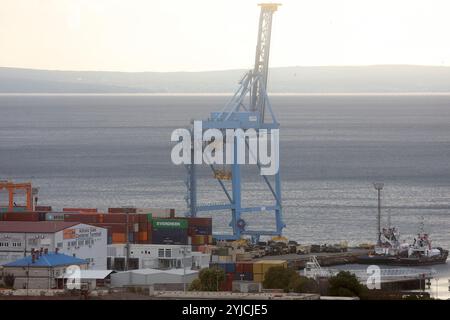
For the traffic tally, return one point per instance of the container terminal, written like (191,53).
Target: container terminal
(159,253)
(126,250)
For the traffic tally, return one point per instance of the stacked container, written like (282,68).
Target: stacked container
(43,208)
(122,210)
(81,210)
(157,212)
(169,231)
(54,216)
(260,268)
(227,285)
(22,216)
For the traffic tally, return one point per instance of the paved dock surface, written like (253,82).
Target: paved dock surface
(298,261)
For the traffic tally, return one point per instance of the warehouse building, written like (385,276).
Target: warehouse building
(41,271)
(158,256)
(173,279)
(19,238)
(92,279)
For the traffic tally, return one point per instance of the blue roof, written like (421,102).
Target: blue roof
(47,260)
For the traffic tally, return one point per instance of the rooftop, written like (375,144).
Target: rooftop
(91,274)
(159,271)
(47,260)
(35,227)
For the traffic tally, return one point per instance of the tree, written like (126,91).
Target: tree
(9,280)
(301,284)
(346,284)
(195,285)
(209,279)
(279,278)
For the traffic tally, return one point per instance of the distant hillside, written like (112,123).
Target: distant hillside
(388,79)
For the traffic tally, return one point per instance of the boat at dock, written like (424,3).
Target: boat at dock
(390,251)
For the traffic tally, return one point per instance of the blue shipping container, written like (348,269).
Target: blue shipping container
(227,267)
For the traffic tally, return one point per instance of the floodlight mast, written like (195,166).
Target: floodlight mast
(379,186)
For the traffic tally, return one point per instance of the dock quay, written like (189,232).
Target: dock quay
(298,261)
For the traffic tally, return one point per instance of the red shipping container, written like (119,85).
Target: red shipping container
(122,210)
(81,210)
(243,267)
(227,285)
(43,208)
(21,216)
(201,222)
(114,218)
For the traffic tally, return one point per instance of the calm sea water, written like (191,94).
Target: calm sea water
(100,151)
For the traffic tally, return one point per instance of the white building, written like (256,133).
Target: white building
(173,279)
(18,238)
(145,256)
(41,271)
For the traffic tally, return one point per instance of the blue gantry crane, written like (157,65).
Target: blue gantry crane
(249,108)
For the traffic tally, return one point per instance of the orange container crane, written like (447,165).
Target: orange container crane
(11,188)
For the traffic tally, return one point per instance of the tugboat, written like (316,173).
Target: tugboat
(390,251)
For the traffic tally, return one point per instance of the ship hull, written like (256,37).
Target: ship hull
(403,261)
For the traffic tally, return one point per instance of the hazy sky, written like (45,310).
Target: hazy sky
(191,35)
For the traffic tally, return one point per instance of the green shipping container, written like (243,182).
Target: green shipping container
(149,217)
(169,224)
(15,209)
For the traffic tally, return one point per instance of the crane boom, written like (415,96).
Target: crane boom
(261,68)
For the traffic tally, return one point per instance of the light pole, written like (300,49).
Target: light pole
(184,269)
(379,186)
(127,245)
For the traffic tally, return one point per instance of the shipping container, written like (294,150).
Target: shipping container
(169,236)
(118,238)
(143,226)
(244,267)
(143,236)
(87,218)
(122,210)
(226,259)
(227,267)
(258,277)
(43,208)
(199,240)
(115,218)
(81,210)
(157,212)
(262,266)
(221,251)
(198,222)
(169,224)
(21,216)
(227,285)
(54,216)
